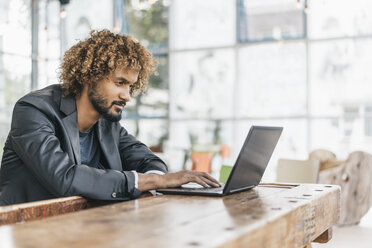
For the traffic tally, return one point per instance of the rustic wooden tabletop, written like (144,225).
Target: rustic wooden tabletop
(270,215)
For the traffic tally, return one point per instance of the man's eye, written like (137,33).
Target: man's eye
(120,83)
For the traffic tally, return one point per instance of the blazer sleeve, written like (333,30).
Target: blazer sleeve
(33,137)
(137,156)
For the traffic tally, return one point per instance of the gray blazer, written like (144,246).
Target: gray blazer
(41,157)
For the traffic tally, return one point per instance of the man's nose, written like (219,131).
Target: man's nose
(125,94)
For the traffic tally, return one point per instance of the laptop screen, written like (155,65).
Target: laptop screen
(254,157)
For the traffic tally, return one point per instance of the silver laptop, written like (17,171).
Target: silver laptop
(248,168)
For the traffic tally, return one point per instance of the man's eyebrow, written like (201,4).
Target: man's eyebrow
(122,79)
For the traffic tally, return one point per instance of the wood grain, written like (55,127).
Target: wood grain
(267,216)
(19,213)
(354,176)
(41,209)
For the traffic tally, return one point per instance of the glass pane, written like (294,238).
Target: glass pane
(155,101)
(188,136)
(339,75)
(47,72)
(152,132)
(15,27)
(272,80)
(207,23)
(331,18)
(42,74)
(15,74)
(292,143)
(202,84)
(350,116)
(147,22)
(15,58)
(325,134)
(84,15)
(130,125)
(49,42)
(269,20)
(368,121)
(340,136)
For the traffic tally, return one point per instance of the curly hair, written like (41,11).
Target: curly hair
(96,57)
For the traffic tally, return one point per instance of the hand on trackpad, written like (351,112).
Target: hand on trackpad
(191,185)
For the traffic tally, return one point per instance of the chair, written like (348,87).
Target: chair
(354,175)
(297,171)
(201,161)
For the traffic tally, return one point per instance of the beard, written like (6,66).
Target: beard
(101,105)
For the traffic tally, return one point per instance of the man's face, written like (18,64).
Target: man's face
(110,95)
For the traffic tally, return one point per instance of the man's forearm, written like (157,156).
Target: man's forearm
(148,181)
(152,181)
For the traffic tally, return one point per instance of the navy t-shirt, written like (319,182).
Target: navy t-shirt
(89,148)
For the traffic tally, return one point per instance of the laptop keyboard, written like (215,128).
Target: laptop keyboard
(210,189)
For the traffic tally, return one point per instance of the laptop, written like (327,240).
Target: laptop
(248,168)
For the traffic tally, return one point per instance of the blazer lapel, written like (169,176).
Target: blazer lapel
(108,146)
(68,107)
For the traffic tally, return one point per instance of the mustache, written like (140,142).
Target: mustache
(121,103)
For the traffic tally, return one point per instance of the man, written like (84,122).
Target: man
(66,140)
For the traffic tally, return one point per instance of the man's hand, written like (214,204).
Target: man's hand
(178,178)
(152,181)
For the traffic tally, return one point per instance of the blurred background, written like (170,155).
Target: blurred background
(224,65)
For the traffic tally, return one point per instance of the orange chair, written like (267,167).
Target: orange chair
(201,161)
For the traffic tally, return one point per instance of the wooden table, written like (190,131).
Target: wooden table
(270,215)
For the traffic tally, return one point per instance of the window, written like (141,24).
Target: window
(270,20)
(202,84)
(340,74)
(15,58)
(272,80)
(350,115)
(147,22)
(368,121)
(198,24)
(154,103)
(339,18)
(147,114)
